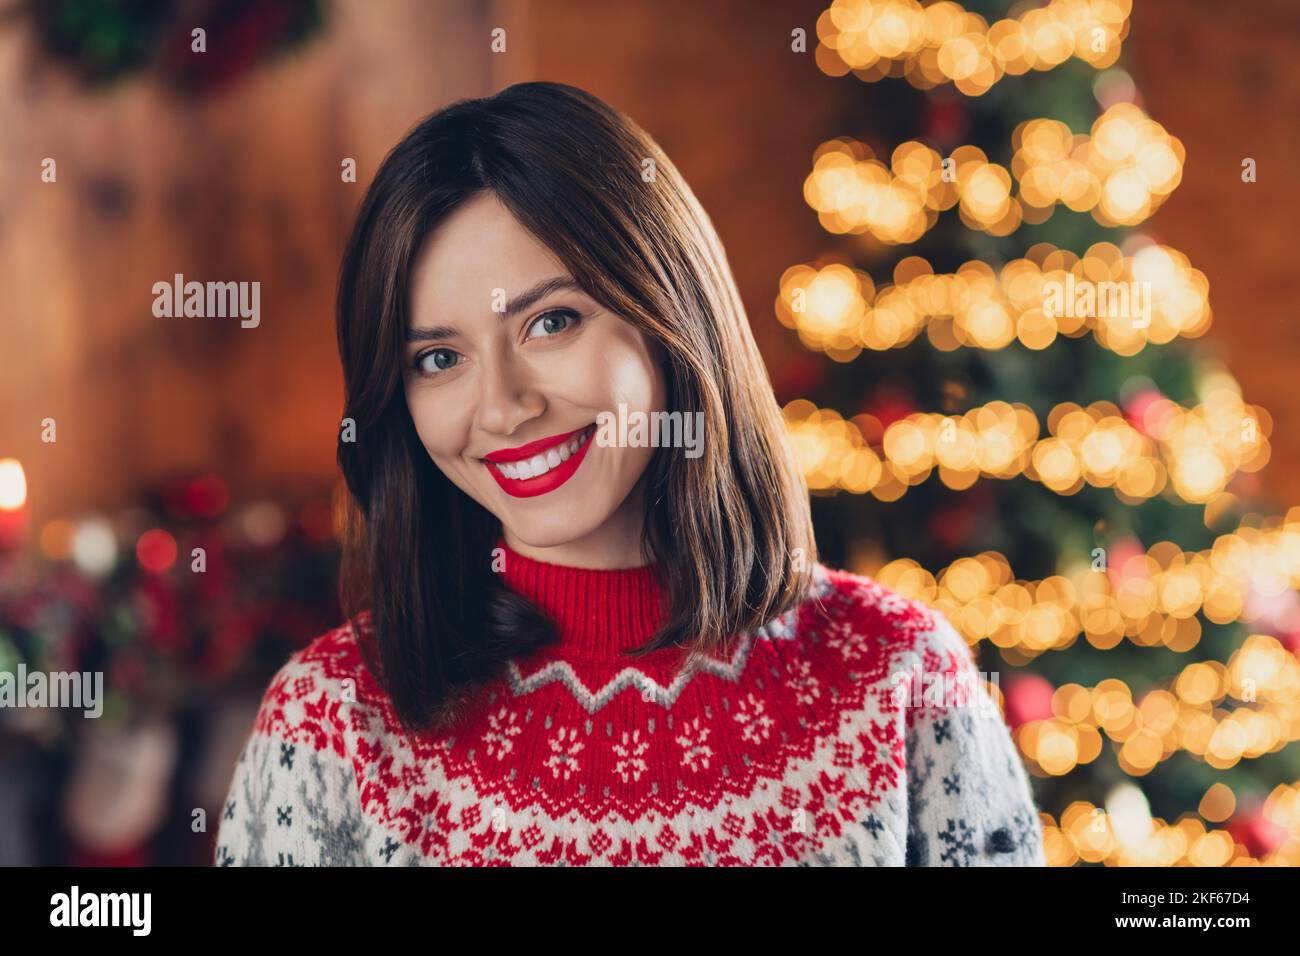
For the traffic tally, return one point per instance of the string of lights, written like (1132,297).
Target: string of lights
(1152,447)
(1121,172)
(944,43)
(1126,301)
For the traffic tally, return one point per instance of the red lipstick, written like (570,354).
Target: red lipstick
(541,454)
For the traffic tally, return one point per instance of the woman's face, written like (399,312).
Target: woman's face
(507,366)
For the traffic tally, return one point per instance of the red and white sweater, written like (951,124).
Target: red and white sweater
(803,746)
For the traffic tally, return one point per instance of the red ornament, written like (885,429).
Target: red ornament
(951,526)
(954,526)
(1118,555)
(156,550)
(207,496)
(1138,408)
(889,405)
(1259,835)
(946,120)
(1028,697)
(798,377)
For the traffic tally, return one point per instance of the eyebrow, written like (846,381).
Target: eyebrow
(516,305)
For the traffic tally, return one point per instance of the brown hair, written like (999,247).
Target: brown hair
(730,529)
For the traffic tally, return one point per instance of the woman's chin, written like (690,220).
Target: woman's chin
(545,534)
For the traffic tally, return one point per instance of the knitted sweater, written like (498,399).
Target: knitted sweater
(822,739)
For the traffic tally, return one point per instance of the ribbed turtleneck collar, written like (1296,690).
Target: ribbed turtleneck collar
(599,613)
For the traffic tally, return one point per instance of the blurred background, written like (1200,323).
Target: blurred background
(1105,507)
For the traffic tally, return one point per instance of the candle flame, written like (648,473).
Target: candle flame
(13,485)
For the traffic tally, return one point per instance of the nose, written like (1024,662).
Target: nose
(508,396)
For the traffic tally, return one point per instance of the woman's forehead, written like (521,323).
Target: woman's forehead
(480,253)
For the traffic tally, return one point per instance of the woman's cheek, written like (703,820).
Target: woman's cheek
(623,378)
(430,426)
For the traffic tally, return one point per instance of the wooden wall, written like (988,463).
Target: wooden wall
(1225,79)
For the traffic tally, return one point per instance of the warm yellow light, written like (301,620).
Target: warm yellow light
(13,484)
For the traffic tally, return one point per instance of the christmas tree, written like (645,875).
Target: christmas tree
(1006,409)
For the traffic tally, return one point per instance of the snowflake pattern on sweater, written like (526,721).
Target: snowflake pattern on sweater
(795,749)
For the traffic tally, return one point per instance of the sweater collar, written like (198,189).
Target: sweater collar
(598,613)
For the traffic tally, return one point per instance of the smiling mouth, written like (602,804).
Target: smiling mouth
(543,471)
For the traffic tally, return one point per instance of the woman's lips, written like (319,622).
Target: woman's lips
(543,471)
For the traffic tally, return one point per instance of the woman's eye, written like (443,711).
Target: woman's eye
(436,361)
(553,323)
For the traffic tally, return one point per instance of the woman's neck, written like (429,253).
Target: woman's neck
(614,545)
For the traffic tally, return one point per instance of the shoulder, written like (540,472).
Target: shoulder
(293,799)
(854,606)
(336,654)
(308,697)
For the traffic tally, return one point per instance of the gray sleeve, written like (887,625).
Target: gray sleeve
(289,804)
(968,794)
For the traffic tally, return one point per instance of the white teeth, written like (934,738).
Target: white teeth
(541,464)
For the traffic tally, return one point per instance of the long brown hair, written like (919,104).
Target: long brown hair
(730,529)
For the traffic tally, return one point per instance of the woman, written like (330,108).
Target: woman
(586,620)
